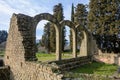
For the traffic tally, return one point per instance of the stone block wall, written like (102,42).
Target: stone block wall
(36,71)
(106,58)
(68,64)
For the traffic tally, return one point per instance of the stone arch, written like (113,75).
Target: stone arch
(51,18)
(21,39)
(73,29)
(84,44)
(88,45)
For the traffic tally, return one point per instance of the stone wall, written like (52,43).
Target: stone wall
(20,53)
(36,71)
(107,58)
(88,45)
(68,64)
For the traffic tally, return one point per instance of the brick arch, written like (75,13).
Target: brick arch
(52,19)
(73,29)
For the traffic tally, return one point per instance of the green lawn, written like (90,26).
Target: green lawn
(2,53)
(49,57)
(97,68)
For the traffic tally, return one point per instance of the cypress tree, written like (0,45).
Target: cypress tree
(58,14)
(45,41)
(72,19)
(80,18)
(103,16)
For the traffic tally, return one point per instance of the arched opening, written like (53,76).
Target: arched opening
(43,42)
(73,30)
(83,41)
(51,19)
(67,51)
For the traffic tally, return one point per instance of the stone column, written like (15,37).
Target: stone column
(58,43)
(74,44)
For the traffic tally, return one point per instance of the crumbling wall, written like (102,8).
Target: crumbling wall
(20,51)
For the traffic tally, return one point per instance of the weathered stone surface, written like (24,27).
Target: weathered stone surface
(21,49)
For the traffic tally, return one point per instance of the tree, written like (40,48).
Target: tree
(52,38)
(3,36)
(103,16)
(104,22)
(72,19)
(45,41)
(80,17)
(58,14)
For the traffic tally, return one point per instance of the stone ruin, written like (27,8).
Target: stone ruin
(21,49)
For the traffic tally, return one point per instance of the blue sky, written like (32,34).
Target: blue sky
(32,8)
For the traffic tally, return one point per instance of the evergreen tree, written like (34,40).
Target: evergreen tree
(45,41)
(103,16)
(80,18)
(3,36)
(52,38)
(58,14)
(72,19)
(104,22)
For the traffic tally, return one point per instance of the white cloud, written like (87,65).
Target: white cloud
(31,8)
(41,24)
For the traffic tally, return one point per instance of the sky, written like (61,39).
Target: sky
(32,8)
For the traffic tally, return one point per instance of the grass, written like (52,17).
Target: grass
(2,53)
(49,57)
(97,68)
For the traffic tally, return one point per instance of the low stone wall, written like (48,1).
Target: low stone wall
(4,73)
(68,64)
(107,58)
(37,71)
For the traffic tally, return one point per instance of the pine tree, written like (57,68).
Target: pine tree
(103,16)
(58,14)
(72,19)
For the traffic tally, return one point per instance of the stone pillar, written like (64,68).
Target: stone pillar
(58,43)
(74,44)
(83,47)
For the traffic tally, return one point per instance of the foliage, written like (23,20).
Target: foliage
(3,36)
(45,41)
(72,19)
(52,38)
(80,18)
(58,13)
(103,17)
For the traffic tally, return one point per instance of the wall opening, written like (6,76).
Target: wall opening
(82,43)
(44,31)
(67,48)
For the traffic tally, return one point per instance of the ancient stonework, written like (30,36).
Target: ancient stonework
(21,48)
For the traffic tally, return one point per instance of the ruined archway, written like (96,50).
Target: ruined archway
(21,44)
(49,17)
(88,45)
(73,29)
